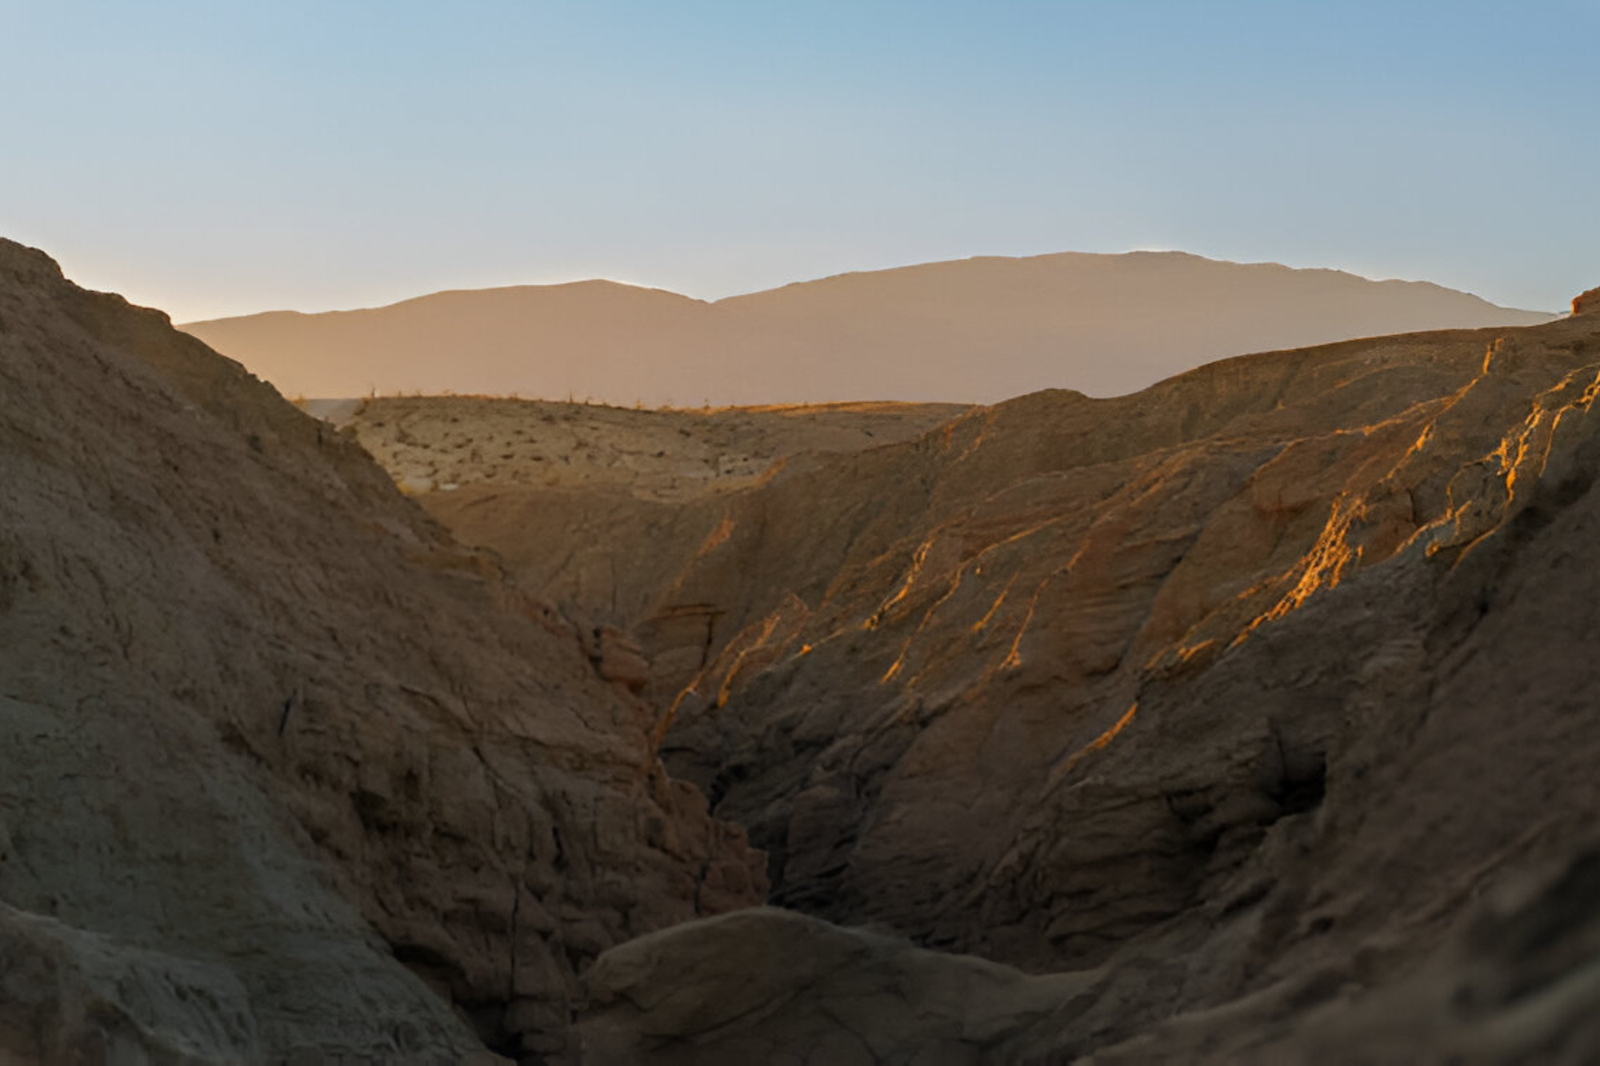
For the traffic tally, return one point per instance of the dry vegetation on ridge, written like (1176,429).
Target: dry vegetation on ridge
(448,442)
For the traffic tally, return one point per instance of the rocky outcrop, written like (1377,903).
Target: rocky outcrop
(926,734)
(1246,718)
(67,995)
(768,985)
(564,493)
(1512,981)
(617,658)
(284,770)
(1191,690)
(1587,303)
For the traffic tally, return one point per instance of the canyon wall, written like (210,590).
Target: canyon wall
(286,770)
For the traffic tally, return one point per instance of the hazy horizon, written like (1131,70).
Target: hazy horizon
(972,330)
(216,160)
(718,298)
(648,534)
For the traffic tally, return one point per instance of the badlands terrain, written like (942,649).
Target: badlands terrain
(1102,324)
(286,770)
(1247,718)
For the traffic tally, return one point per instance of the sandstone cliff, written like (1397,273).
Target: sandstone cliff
(943,732)
(569,495)
(1244,687)
(1248,719)
(284,770)
(1259,700)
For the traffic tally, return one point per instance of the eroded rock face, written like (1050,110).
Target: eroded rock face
(1510,981)
(1587,303)
(268,731)
(599,507)
(1191,689)
(67,995)
(926,734)
(772,986)
(885,663)
(1258,702)
(1280,740)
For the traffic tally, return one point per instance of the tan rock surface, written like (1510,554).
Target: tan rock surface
(67,995)
(278,755)
(979,614)
(1586,303)
(1514,980)
(772,986)
(1259,704)
(1235,693)
(972,330)
(567,493)
(1214,701)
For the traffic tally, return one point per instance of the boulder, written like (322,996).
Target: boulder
(772,986)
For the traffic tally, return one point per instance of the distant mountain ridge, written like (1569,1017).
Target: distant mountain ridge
(968,330)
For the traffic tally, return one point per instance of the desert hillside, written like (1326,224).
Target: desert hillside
(568,493)
(285,772)
(1248,718)
(450,442)
(1255,704)
(973,330)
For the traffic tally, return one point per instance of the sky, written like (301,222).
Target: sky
(217,157)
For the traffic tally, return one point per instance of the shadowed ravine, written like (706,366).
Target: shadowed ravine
(1248,718)
(1064,674)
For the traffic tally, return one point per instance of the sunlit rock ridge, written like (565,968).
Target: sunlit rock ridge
(1259,702)
(1247,718)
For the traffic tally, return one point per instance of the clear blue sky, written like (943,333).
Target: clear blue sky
(215,157)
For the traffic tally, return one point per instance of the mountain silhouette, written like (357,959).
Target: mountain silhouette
(970,330)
